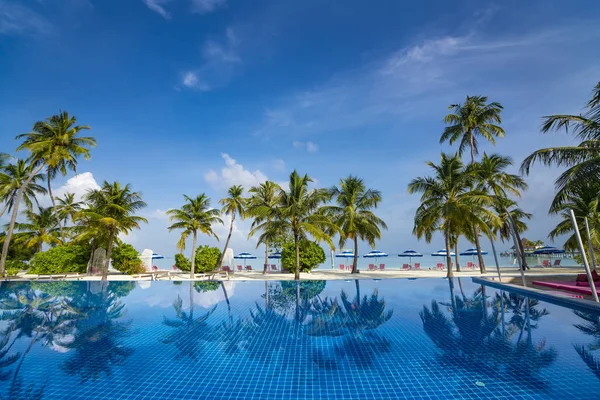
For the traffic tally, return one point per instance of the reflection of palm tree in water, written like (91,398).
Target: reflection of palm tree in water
(189,332)
(470,338)
(590,326)
(99,334)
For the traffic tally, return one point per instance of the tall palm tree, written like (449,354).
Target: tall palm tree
(56,144)
(67,207)
(262,205)
(234,204)
(492,178)
(475,118)
(300,212)
(40,229)
(12,178)
(582,162)
(193,217)
(353,213)
(112,210)
(448,201)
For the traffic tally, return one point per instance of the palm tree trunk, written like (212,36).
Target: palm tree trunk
(266,268)
(462,291)
(226,242)
(111,237)
(297,300)
(495,257)
(13,218)
(452,297)
(193,267)
(60,227)
(450,274)
(456,255)
(355,261)
(357,284)
(297,244)
(4,208)
(478,247)
(227,301)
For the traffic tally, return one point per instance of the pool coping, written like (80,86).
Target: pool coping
(569,302)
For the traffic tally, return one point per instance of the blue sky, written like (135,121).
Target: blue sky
(191,96)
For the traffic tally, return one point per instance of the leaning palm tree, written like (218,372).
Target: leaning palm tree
(300,212)
(193,217)
(12,178)
(234,204)
(112,210)
(67,207)
(582,162)
(262,205)
(353,213)
(448,202)
(56,144)
(40,228)
(475,118)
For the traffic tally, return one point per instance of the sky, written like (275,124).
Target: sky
(193,96)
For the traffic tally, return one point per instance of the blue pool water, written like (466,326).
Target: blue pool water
(417,339)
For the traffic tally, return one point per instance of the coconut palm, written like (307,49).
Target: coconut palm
(262,205)
(56,144)
(41,228)
(505,213)
(300,212)
(353,213)
(67,207)
(234,204)
(582,162)
(112,210)
(12,178)
(475,118)
(448,202)
(193,217)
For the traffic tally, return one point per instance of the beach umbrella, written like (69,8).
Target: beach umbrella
(410,254)
(245,256)
(442,253)
(275,256)
(375,254)
(157,256)
(548,250)
(472,252)
(345,254)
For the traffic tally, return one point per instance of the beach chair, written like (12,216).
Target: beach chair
(371,267)
(273,267)
(341,267)
(381,267)
(226,268)
(248,267)
(470,265)
(556,263)
(545,263)
(418,266)
(239,267)
(405,266)
(440,266)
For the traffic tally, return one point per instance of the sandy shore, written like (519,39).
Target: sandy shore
(319,275)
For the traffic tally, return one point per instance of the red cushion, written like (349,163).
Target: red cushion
(595,276)
(581,278)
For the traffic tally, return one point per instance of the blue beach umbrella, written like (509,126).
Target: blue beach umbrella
(245,256)
(345,254)
(442,253)
(375,254)
(472,252)
(275,256)
(410,254)
(157,256)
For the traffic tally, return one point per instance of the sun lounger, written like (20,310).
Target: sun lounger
(381,267)
(248,268)
(239,267)
(371,267)
(545,264)
(273,267)
(439,266)
(556,263)
(341,267)
(405,266)
(417,266)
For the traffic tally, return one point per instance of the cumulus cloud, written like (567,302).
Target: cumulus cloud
(308,146)
(79,185)
(207,6)
(158,6)
(233,174)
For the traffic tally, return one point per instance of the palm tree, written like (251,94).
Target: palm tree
(505,213)
(68,207)
(56,144)
(448,202)
(300,212)
(475,118)
(111,210)
(582,161)
(353,214)
(195,215)
(12,178)
(262,205)
(40,229)
(492,178)
(234,204)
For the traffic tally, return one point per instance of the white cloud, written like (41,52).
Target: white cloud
(207,6)
(16,19)
(190,80)
(79,185)
(158,7)
(308,146)
(233,174)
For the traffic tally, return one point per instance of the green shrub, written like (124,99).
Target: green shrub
(206,286)
(182,262)
(14,266)
(311,255)
(207,258)
(60,259)
(125,259)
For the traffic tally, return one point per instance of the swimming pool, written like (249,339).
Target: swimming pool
(367,339)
